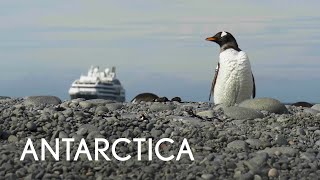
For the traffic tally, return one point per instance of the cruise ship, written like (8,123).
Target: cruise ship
(98,85)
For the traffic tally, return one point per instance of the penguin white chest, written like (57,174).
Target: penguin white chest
(234,81)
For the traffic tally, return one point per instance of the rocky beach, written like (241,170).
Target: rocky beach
(257,139)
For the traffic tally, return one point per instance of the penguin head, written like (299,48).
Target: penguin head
(223,39)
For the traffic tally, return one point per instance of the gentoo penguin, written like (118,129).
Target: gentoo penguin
(147,97)
(233,80)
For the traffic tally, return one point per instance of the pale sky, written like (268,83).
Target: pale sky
(158,46)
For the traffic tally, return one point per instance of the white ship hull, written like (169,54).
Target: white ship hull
(98,86)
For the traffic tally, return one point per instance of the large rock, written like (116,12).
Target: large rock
(238,144)
(38,100)
(161,107)
(242,113)
(316,107)
(265,104)
(311,111)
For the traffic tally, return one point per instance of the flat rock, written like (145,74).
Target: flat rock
(235,112)
(283,150)
(316,107)
(206,114)
(85,104)
(38,100)
(238,145)
(311,111)
(161,107)
(265,104)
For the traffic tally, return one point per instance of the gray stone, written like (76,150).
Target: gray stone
(283,150)
(273,172)
(283,119)
(206,114)
(88,128)
(94,134)
(281,140)
(257,143)
(316,107)
(161,107)
(242,113)
(38,100)
(265,104)
(12,138)
(308,156)
(100,102)
(311,111)
(62,134)
(258,162)
(188,120)
(207,176)
(114,106)
(156,133)
(238,145)
(31,126)
(11,176)
(300,131)
(101,110)
(85,104)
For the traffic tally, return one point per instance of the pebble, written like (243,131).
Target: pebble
(207,176)
(206,114)
(242,113)
(257,163)
(273,172)
(12,138)
(101,110)
(281,140)
(85,104)
(31,126)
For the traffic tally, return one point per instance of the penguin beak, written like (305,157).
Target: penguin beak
(211,39)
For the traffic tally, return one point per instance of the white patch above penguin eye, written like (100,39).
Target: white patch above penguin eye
(223,33)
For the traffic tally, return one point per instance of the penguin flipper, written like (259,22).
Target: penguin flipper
(254,88)
(214,81)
